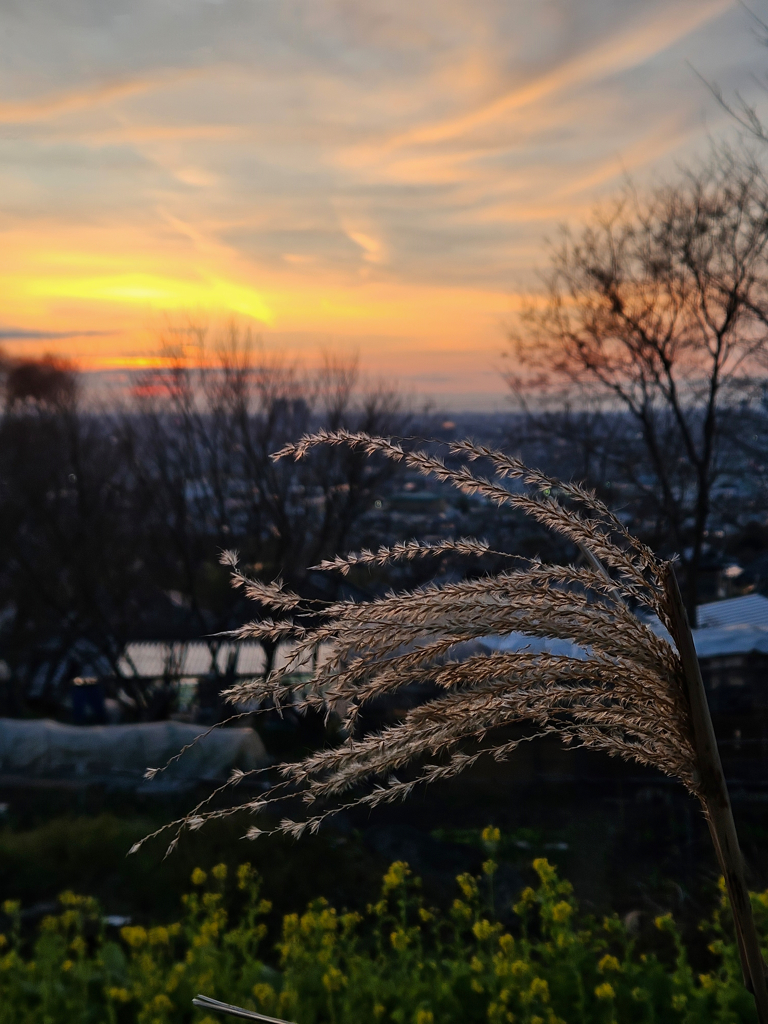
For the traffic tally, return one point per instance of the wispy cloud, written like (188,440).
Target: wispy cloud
(621,52)
(21,334)
(350,171)
(100,94)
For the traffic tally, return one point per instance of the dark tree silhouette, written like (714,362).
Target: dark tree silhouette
(651,327)
(49,381)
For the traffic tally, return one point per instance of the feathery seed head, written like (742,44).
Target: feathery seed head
(618,691)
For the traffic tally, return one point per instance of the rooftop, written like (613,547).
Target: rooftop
(750,610)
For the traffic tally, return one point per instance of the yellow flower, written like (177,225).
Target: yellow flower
(134,935)
(424,1017)
(264,995)
(506,943)
(608,963)
(11,907)
(396,876)
(476,965)
(219,872)
(399,940)
(158,936)
(198,877)
(468,886)
(489,867)
(244,875)
(425,915)
(539,990)
(707,982)
(561,912)
(501,966)
(67,965)
(491,834)
(285,1002)
(544,870)
(476,986)
(77,945)
(333,979)
(327,920)
(519,968)
(663,922)
(120,995)
(69,899)
(605,991)
(460,909)
(483,929)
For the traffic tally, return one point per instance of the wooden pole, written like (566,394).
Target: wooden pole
(713,793)
(207,1003)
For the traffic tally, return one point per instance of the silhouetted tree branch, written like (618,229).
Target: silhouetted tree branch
(652,325)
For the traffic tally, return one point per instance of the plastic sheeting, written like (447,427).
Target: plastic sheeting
(749,610)
(120,754)
(731,640)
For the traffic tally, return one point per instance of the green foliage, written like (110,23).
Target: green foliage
(51,851)
(401,961)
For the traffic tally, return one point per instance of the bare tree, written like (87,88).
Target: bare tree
(71,565)
(202,435)
(651,326)
(112,520)
(50,381)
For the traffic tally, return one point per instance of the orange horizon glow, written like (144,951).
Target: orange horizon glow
(117,318)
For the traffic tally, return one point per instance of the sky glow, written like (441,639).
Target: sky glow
(361,176)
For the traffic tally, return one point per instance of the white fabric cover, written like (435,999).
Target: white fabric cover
(42,748)
(749,610)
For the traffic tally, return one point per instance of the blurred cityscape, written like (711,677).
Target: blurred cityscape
(114,610)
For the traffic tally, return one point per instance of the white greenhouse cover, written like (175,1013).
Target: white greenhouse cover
(749,610)
(44,749)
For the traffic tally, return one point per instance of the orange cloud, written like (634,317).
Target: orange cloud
(612,56)
(69,101)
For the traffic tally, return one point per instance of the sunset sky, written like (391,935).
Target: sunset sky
(369,176)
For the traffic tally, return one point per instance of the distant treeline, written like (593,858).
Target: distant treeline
(112,522)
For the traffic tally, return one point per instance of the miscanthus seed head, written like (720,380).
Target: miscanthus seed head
(620,692)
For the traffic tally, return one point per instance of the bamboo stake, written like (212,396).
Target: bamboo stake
(207,1003)
(713,794)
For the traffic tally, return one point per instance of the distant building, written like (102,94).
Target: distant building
(749,610)
(732,645)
